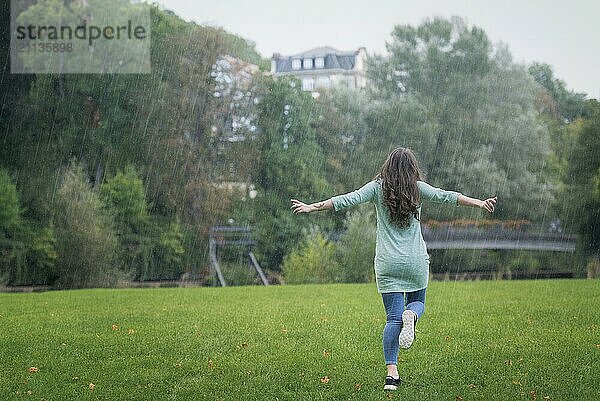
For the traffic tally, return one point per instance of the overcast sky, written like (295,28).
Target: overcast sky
(564,34)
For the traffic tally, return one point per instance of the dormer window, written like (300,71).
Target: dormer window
(319,62)
(296,64)
(308,63)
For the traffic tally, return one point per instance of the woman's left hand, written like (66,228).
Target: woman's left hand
(489,204)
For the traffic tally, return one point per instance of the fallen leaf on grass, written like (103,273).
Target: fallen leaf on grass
(92,386)
(33,369)
(598,346)
(516,382)
(326,354)
(389,396)
(532,394)
(210,364)
(325,379)
(284,330)
(546,397)
(29,392)
(114,327)
(458,398)
(472,386)
(357,387)
(75,378)
(447,338)
(242,346)
(130,331)
(509,362)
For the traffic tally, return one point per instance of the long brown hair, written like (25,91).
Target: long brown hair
(399,175)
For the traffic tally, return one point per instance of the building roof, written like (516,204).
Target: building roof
(322,52)
(333,59)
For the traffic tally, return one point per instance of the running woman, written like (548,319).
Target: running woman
(401,258)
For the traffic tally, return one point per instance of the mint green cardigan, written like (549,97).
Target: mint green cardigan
(401,258)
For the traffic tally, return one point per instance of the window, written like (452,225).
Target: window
(319,62)
(323,82)
(308,63)
(308,84)
(296,64)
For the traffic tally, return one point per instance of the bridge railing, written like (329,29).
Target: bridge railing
(493,232)
(449,237)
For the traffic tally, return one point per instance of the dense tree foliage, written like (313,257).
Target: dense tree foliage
(468,112)
(290,165)
(157,123)
(119,176)
(581,192)
(86,238)
(575,157)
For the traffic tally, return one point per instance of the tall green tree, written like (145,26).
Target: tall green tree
(290,166)
(341,130)
(158,122)
(581,193)
(559,110)
(467,110)
(567,105)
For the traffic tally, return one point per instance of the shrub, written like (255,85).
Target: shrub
(12,249)
(10,212)
(124,199)
(28,251)
(168,253)
(149,248)
(40,257)
(313,262)
(10,215)
(356,248)
(86,239)
(125,196)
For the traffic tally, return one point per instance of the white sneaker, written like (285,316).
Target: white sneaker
(407,335)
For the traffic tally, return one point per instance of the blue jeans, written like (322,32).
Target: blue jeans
(394,306)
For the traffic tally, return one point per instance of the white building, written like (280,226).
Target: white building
(323,67)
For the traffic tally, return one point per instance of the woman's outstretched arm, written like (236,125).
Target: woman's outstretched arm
(488,204)
(301,207)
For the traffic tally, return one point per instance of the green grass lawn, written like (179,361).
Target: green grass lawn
(491,340)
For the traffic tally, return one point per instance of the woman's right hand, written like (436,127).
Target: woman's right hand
(300,207)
